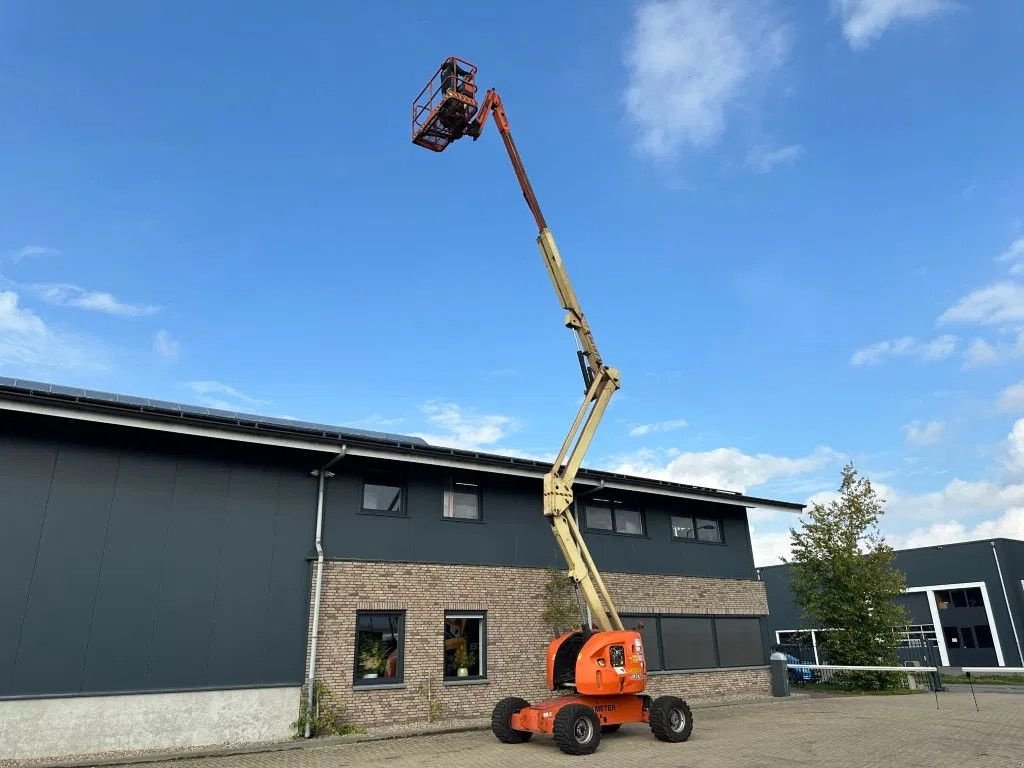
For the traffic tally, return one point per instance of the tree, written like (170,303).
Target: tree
(844,581)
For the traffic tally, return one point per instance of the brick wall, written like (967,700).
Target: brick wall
(517,638)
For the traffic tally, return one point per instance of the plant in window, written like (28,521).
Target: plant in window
(464,659)
(372,657)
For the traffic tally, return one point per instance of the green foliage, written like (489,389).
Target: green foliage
(328,717)
(433,703)
(463,658)
(372,657)
(561,610)
(844,582)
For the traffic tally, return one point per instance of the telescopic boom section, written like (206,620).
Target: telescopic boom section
(600,382)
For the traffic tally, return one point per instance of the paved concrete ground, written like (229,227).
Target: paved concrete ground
(847,732)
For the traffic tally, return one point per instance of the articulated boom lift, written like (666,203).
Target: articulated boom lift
(603,671)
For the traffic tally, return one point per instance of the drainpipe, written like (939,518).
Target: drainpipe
(321,474)
(1009,608)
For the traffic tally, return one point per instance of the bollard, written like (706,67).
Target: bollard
(780,675)
(912,679)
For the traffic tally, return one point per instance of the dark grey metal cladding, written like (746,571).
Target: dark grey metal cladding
(140,562)
(513,530)
(1011,560)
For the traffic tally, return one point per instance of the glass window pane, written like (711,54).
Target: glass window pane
(649,636)
(708,530)
(959,598)
(629,521)
(688,643)
(682,527)
(968,636)
(739,642)
(952,637)
(463,502)
(942,599)
(378,648)
(984,635)
(464,645)
(599,518)
(974,598)
(382,498)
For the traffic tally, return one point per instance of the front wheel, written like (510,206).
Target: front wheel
(671,719)
(501,720)
(577,730)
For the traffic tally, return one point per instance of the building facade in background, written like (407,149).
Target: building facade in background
(967,600)
(158,575)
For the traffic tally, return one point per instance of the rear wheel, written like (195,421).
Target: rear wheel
(610,728)
(671,719)
(577,730)
(501,720)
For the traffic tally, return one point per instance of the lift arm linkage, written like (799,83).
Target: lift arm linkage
(600,382)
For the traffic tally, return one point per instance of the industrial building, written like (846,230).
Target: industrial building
(967,600)
(159,562)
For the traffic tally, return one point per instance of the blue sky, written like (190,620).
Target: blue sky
(797,229)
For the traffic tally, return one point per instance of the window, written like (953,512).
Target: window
(465,645)
(959,598)
(462,501)
(649,635)
(984,636)
(952,637)
(943,599)
(379,648)
(974,598)
(688,643)
(968,635)
(605,515)
(739,642)
(383,498)
(682,528)
(709,530)
(704,529)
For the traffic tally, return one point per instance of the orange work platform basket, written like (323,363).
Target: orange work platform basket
(446,106)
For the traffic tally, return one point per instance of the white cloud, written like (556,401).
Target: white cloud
(460,428)
(1015,255)
(724,468)
(924,433)
(28,346)
(979,353)
(165,345)
(658,426)
(1011,399)
(938,348)
(29,252)
(1014,459)
(689,62)
(214,394)
(763,159)
(1009,525)
(996,304)
(770,547)
(67,295)
(864,21)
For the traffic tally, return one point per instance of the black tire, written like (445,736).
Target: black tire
(610,728)
(501,720)
(577,729)
(671,719)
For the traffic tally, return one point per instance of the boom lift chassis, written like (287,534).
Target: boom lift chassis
(602,669)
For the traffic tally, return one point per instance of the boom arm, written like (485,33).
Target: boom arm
(599,380)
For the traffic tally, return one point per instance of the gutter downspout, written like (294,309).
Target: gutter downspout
(321,474)
(1009,608)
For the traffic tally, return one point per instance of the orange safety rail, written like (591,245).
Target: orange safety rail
(442,110)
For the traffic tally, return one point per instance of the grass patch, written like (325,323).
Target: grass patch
(984,679)
(848,691)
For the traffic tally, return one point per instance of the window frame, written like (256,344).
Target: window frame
(717,519)
(380,682)
(385,481)
(612,505)
(482,650)
(448,501)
